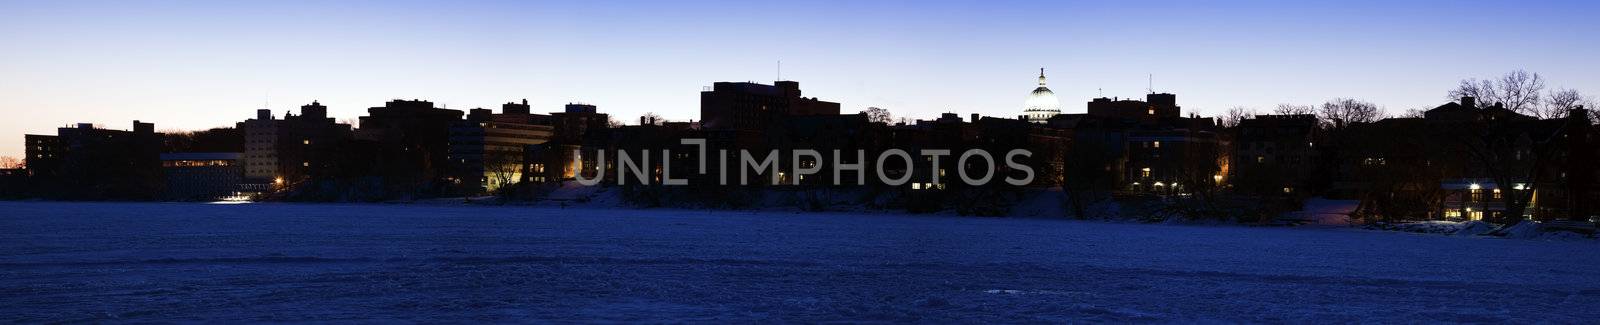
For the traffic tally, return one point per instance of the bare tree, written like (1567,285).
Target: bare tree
(9,162)
(502,170)
(1292,109)
(1342,112)
(1519,91)
(878,115)
(1237,114)
(1415,113)
(1559,101)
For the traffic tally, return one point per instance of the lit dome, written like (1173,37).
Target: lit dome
(1042,104)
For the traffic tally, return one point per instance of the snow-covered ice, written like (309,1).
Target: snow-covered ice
(84,262)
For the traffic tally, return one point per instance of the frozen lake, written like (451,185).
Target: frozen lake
(279,262)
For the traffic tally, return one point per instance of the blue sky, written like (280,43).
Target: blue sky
(194,65)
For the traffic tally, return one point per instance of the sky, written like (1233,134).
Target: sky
(189,65)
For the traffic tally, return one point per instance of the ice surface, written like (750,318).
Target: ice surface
(82,262)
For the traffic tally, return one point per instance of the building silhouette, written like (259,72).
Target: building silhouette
(413,138)
(87,162)
(751,106)
(488,148)
(292,149)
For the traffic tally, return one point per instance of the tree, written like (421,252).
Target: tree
(502,169)
(1509,157)
(1237,114)
(1559,101)
(9,162)
(878,115)
(1518,90)
(1342,112)
(1292,109)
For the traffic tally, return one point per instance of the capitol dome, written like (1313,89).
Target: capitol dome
(1042,104)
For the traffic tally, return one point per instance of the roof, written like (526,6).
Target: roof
(202,156)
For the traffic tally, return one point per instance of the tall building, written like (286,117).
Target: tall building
(415,138)
(1274,154)
(488,149)
(1042,103)
(94,163)
(1155,106)
(293,148)
(574,127)
(753,106)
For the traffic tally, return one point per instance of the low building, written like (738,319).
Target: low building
(207,176)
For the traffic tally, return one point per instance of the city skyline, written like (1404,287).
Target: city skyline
(199,66)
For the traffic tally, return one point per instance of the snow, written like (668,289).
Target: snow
(1522,230)
(134,262)
(1473,228)
(1321,211)
(1428,227)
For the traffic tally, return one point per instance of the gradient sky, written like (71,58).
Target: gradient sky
(188,65)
